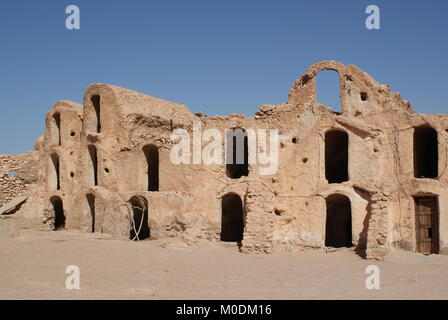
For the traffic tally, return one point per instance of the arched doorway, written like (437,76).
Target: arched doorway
(139,225)
(232,218)
(338,227)
(59,217)
(336,156)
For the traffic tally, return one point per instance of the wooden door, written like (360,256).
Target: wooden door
(427,224)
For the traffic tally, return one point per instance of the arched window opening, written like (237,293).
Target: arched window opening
(237,154)
(336,156)
(426,153)
(91,203)
(232,218)
(93,165)
(338,228)
(152,167)
(139,224)
(328,90)
(59,217)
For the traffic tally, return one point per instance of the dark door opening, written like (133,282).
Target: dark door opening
(139,228)
(91,202)
(427,224)
(152,161)
(336,156)
(59,217)
(338,228)
(232,218)
(426,153)
(237,153)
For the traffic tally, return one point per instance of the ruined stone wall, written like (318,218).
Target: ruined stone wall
(93,158)
(18,173)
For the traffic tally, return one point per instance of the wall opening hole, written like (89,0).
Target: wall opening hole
(93,165)
(336,156)
(96,121)
(151,153)
(139,228)
(305,160)
(328,89)
(232,218)
(426,153)
(91,203)
(72,133)
(338,228)
(54,173)
(237,153)
(59,217)
(363,96)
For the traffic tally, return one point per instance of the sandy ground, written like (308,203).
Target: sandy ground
(33,267)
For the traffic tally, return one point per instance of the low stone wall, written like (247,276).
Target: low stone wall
(18,173)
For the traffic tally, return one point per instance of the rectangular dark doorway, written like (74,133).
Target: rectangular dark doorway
(427,224)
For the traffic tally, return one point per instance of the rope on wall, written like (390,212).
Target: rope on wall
(131,210)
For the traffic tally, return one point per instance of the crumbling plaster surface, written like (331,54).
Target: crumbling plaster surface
(284,211)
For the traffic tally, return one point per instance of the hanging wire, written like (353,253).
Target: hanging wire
(131,210)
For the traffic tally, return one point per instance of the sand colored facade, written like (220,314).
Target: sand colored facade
(373,176)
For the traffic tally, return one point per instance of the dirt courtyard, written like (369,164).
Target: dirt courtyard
(33,267)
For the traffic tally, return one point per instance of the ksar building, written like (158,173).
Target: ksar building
(372,177)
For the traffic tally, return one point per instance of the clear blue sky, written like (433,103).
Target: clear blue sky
(214,56)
